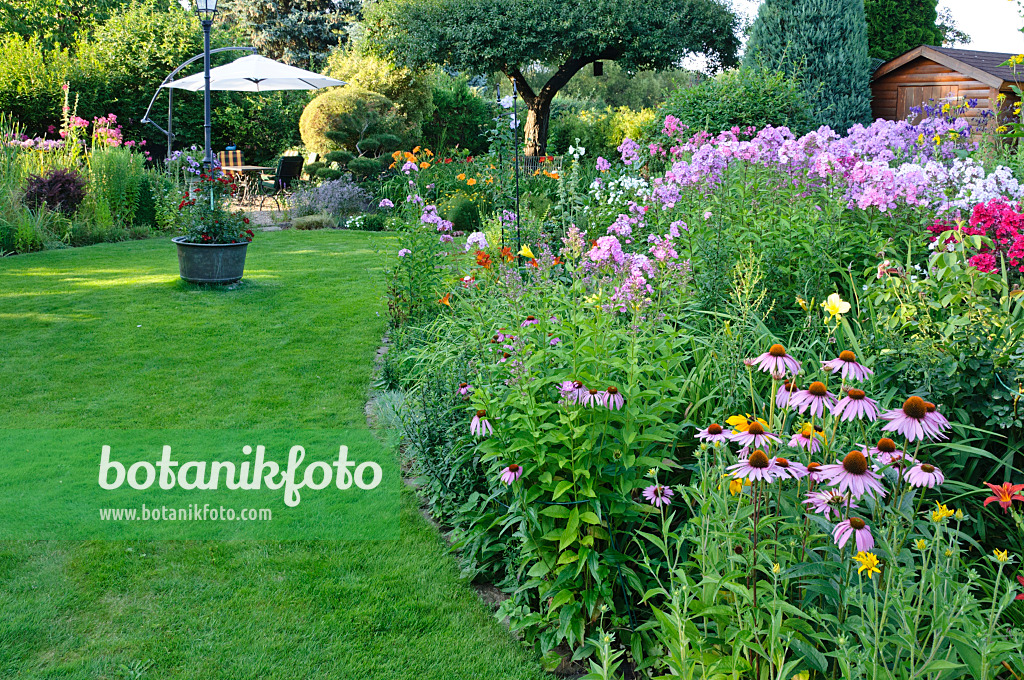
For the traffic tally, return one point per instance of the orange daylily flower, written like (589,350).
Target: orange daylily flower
(471,181)
(1005,494)
(446,300)
(506,253)
(461,176)
(483,259)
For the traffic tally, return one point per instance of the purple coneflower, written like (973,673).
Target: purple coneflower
(934,421)
(613,399)
(828,502)
(790,469)
(786,395)
(592,398)
(775,360)
(658,495)
(713,433)
(579,391)
(754,436)
(853,475)
(816,397)
(480,426)
(465,388)
(924,474)
(855,406)
(511,473)
(854,526)
(808,438)
(886,453)
(814,472)
(757,466)
(530,321)
(847,367)
(909,421)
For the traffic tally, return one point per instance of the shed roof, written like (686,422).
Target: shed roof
(981,66)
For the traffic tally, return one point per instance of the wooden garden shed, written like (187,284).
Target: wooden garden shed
(941,73)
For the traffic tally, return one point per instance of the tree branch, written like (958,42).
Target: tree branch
(571,67)
(522,84)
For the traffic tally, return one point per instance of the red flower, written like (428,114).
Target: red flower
(1021,580)
(245,220)
(506,253)
(447,161)
(1005,494)
(469,159)
(533,262)
(558,260)
(483,259)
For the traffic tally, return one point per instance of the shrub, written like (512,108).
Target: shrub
(117,175)
(748,96)
(460,117)
(60,189)
(463,213)
(365,167)
(367,222)
(317,221)
(338,197)
(600,132)
(312,168)
(340,157)
(352,114)
(409,89)
(328,174)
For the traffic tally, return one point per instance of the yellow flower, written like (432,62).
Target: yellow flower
(776,568)
(802,302)
(1001,97)
(1001,128)
(937,139)
(416,150)
(945,107)
(921,544)
(868,562)
(396,155)
(736,485)
(835,305)
(920,138)
(652,472)
(941,513)
(526,252)
(471,181)
(742,423)
(1001,556)
(959,515)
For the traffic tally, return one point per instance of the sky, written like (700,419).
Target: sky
(994,25)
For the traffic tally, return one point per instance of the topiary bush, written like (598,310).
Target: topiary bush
(460,117)
(350,114)
(463,213)
(747,96)
(365,167)
(59,189)
(328,174)
(340,157)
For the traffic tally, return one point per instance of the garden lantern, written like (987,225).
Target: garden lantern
(205,10)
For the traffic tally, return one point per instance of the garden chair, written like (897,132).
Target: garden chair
(289,170)
(234,158)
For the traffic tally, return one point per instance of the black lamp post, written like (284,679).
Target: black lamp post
(206,9)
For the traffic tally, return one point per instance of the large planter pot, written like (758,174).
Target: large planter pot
(210,262)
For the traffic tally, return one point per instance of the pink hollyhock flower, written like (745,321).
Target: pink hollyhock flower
(855,406)
(857,527)
(828,502)
(758,465)
(909,421)
(816,398)
(511,473)
(713,433)
(754,436)
(658,495)
(776,361)
(853,475)
(480,426)
(847,367)
(924,475)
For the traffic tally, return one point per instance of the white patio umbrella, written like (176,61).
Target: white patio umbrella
(256,74)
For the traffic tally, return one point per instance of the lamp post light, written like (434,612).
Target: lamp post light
(206,9)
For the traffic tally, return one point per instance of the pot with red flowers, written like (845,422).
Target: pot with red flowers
(213,240)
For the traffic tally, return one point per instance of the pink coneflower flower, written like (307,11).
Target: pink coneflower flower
(855,406)
(815,398)
(854,526)
(465,389)
(658,495)
(814,472)
(480,426)
(846,366)
(934,421)
(828,502)
(790,469)
(592,398)
(787,393)
(757,466)
(579,391)
(754,436)
(853,475)
(924,474)
(713,433)
(886,453)
(909,421)
(613,399)
(808,438)
(511,473)
(775,360)
(530,321)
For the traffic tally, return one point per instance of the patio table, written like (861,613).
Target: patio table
(250,180)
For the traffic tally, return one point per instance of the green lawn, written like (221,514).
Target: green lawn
(108,337)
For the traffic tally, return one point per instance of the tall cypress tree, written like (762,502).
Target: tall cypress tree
(896,26)
(825,44)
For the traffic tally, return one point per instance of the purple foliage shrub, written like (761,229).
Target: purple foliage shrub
(60,189)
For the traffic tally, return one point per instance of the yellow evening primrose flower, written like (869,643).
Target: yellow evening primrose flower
(1001,556)
(921,544)
(868,562)
(941,513)
(526,252)
(835,306)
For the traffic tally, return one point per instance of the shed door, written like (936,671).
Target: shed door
(909,96)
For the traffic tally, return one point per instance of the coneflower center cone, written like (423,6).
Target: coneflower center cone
(513,468)
(847,355)
(755,428)
(782,462)
(613,390)
(927,468)
(758,459)
(777,350)
(481,413)
(714,428)
(856,394)
(915,407)
(817,388)
(886,445)
(857,523)
(855,463)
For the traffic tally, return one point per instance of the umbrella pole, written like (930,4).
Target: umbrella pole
(170,122)
(207,127)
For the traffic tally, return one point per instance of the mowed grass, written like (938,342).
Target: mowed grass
(108,337)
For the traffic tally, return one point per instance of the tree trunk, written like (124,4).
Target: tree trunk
(538,116)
